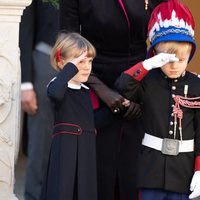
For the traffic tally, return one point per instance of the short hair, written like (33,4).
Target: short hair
(173,46)
(70,45)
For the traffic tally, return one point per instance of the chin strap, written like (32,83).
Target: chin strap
(178,113)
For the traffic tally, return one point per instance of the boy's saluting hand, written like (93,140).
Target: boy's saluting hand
(159,60)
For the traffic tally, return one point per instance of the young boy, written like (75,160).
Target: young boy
(169,164)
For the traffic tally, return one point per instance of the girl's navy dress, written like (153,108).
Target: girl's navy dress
(72,162)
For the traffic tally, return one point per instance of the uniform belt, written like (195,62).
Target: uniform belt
(157,143)
(44,48)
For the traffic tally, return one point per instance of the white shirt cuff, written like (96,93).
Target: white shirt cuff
(26,86)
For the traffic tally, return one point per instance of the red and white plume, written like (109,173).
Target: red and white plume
(171,14)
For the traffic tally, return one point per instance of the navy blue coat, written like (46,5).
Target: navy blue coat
(72,162)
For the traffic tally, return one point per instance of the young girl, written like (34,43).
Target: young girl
(169,166)
(72,163)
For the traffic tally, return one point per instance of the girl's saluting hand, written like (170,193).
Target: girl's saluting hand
(80,58)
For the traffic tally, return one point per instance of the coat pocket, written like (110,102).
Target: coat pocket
(66,128)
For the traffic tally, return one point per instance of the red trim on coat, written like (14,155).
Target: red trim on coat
(67,124)
(138,72)
(124,10)
(65,132)
(64,123)
(197,163)
(79,131)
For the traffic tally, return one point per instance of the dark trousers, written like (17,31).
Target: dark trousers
(118,146)
(156,194)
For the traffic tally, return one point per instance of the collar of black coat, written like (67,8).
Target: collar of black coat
(76,87)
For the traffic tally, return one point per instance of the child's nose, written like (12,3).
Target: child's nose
(87,66)
(173,65)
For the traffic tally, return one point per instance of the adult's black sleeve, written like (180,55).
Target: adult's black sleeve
(26,42)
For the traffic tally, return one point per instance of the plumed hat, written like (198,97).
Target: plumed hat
(171,21)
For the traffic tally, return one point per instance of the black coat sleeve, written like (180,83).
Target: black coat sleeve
(130,88)
(26,42)
(57,87)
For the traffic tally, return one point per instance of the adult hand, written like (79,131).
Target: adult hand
(29,101)
(113,100)
(195,185)
(159,61)
(133,111)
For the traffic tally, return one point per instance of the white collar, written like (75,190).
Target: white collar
(76,87)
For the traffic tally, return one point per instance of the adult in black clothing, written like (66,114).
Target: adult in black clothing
(38,31)
(118,30)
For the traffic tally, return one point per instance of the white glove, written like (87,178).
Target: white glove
(159,61)
(195,185)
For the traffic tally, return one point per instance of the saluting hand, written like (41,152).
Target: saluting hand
(80,58)
(159,60)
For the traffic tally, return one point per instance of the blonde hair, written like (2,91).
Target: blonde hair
(173,47)
(70,45)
